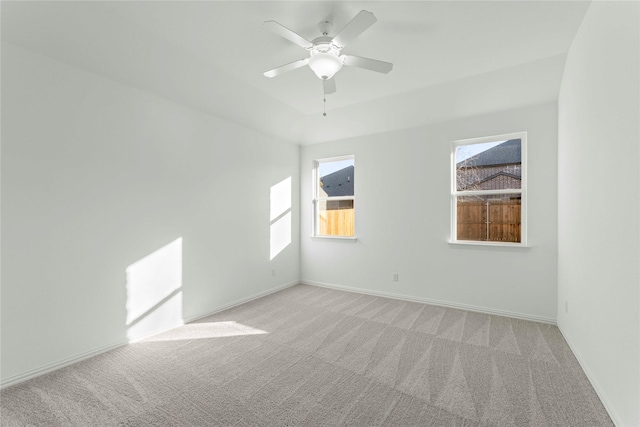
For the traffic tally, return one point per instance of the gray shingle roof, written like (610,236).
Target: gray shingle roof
(508,152)
(338,183)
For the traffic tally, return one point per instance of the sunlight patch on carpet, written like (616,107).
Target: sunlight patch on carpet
(206,330)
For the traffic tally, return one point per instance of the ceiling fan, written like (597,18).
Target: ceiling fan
(324,52)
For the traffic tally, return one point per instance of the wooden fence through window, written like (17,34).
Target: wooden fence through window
(337,222)
(489,220)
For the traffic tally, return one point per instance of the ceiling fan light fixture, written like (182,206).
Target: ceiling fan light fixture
(324,56)
(325,64)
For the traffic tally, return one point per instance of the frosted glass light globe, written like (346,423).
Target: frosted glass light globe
(325,64)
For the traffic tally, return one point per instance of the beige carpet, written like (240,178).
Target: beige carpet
(311,356)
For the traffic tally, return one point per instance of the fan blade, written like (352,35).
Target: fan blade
(283,31)
(354,28)
(288,67)
(329,85)
(368,64)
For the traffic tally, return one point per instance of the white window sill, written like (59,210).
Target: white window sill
(337,238)
(489,244)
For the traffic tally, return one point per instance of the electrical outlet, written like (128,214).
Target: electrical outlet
(566,307)
(273,271)
(394,277)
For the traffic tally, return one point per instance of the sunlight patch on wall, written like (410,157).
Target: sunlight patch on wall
(206,330)
(280,234)
(280,198)
(154,291)
(280,217)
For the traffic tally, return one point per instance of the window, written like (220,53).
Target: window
(334,197)
(489,190)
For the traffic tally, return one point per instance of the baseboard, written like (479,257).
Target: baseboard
(468,307)
(214,311)
(42,370)
(243,301)
(593,381)
(33,373)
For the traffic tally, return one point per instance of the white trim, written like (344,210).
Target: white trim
(493,138)
(594,383)
(440,303)
(156,331)
(480,243)
(42,370)
(348,238)
(328,199)
(216,310)
(244,300)
(465,193)
(24,376)
(336,158)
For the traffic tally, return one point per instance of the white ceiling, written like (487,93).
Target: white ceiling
(451,59)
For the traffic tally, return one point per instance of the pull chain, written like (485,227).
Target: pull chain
(324,107)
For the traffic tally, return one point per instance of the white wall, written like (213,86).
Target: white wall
(98,177)
(599,206)
(403,220)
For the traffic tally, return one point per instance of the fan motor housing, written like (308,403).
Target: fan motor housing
(323,44)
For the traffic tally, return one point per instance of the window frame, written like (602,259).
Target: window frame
(317,199)
(522,191)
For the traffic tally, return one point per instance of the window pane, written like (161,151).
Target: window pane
(490,218)
(489,166)
(336,218)
(336,178)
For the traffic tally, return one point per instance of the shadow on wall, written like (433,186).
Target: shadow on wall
(280,217)
(154,292)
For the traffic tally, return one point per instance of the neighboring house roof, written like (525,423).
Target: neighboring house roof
(506,174)
(508,152)
(338,183)
(498,181)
